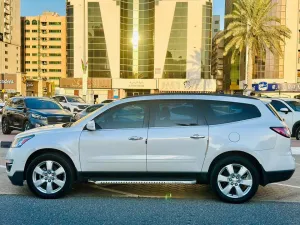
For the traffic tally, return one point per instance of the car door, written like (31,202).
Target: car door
(19,112)
(119,143)
(288,117)
(177,137)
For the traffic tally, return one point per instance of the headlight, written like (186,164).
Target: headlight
(18,142)
(38,117)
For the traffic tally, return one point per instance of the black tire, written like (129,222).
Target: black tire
(27,126)
(235,160)
(5,126)
(297,134)
(56,158)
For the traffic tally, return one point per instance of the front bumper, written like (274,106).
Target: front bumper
(276,176)
(17,178)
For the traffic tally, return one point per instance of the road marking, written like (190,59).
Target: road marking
(287,185)
(297,164)
(2,166)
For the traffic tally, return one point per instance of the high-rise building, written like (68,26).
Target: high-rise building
(217,60)
(44,47)
(216,24)
(134,47)
(279,75)
(10,42)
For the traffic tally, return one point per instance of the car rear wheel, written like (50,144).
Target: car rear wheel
(297,135)
(5,126)
(50,176)
(234,179)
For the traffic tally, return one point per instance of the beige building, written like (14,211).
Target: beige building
(44,47)
(272,75)
(10,42)
(217,61)
(136,47)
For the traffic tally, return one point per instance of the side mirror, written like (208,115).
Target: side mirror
(91,126)
(284,110)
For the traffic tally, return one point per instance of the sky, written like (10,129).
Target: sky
(36,7)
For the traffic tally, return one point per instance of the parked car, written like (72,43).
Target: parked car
(107,101)
(87,111)
(25,113)
(232,143)
(1,106)
(289,110)
(74,104)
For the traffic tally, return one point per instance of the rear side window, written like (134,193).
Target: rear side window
(219,112)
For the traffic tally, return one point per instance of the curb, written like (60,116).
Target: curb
(296,150)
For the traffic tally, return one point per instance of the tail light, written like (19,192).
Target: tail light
(283,131)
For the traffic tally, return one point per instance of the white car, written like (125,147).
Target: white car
(232,143)
(289,110)
(74,104)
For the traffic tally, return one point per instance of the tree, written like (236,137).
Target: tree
(254,29)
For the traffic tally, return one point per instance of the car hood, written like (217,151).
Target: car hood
(41,130)
(51,112)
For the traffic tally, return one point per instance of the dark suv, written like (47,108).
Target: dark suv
(25,113)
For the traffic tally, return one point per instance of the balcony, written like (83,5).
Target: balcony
(7,30)
(7,20)
(6,10)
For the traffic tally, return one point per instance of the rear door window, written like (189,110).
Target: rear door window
(220,112)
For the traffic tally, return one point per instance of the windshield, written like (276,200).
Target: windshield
(41,104)
(295,105)
(75,99)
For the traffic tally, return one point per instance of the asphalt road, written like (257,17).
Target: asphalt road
(25,210)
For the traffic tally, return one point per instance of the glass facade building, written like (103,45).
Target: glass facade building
(70,40)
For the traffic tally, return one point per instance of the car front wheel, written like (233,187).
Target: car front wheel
(50,176)
(5,127)
(234,179)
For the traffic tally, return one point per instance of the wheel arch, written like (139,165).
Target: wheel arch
(246,155)
(50,150)
(295,126)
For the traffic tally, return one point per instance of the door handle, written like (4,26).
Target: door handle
(197,136)
(135,138)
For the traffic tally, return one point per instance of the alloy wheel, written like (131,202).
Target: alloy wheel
(4,125)
(49,177)
(27,126)
(235,181)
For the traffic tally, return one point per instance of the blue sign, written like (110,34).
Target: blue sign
(265,86)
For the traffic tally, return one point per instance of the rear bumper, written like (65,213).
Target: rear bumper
(17,178)
(276,176)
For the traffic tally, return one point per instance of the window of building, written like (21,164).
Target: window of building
(123,117)
(27,39)
(44,23)
(6,59)
(27,70)
(34,22)
(6,45)
(55,39)
(54,70)
(44,31)
(34,54)
(33,46)
(44,70)
(34,38)
(217,22)
(34,70)
(27,22)
(6,52)
(44,62)
(219,112)
(27,31)
(54,54)
(44,54)
(34,62)
(216,30)
(27,62)
(54,31)
(55,62)
(27,46)
(6,67)
(54,46)
(44,46)
(54,23)
(44,39)
(27,54)
(34,31)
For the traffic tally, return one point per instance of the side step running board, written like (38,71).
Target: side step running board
(144,182)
